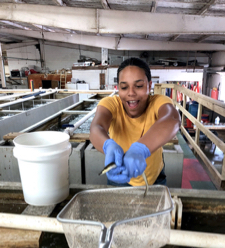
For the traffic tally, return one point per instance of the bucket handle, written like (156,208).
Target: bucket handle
(71,151)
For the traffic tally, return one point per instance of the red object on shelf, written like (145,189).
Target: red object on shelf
(189,123)
(32,71)
(205,118)
(214,93)
(196,87)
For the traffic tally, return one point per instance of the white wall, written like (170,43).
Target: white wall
(110,75)
(29,52)
(213,80)
(60,57)
(92,77)
(56,58)
(177,75)
(218,59)
(164,76)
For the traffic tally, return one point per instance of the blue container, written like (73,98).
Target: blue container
(193,109)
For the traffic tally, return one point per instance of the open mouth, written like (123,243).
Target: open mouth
(132,104)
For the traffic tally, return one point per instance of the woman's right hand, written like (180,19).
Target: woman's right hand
(114,154)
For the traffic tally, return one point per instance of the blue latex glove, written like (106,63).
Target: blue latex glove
(134,159)
(114,154)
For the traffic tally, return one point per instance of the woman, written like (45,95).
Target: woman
(138,125)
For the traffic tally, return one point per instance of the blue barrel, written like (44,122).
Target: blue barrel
(193,108)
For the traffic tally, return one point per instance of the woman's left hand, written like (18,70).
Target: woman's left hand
(134,159)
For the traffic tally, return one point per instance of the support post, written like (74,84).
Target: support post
(158,89)
(42,55)
(104,56)
(174,95)
(223,168)
(184,106)
(199,117)
(2,69)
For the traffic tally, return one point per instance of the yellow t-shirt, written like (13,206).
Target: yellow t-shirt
(125,130)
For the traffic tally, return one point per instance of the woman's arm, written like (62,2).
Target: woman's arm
(99,127)
(164,129)
(102,142)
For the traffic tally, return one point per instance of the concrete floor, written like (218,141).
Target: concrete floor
(216,158)
(194,174)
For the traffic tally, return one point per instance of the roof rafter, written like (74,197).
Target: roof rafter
(105,4)
(206,7)
(59,2)
(154,6)
(118,39)
(203,37)
(15,25)
(43,28)
(173,38)
(18,45)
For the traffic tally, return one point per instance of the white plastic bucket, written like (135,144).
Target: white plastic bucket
(43,164)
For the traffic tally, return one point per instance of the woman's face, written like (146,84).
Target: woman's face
(134,89)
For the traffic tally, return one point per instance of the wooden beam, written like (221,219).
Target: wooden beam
(19,238)
(223,167)
(76,136)
(207,132)
(184,106)
(199,116)
(213,173)
(206,101)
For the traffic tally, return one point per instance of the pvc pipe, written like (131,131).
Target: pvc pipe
(46,224)
(75,112)
(28,222)
(70,130)
(49,118)
(55,115)
(25,99)
(16,101)
(12,111)
(2,98)
(196,239)
(2,68)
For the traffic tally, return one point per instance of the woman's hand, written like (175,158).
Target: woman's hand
(114,154)
(134,159)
